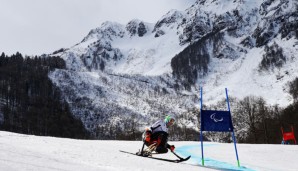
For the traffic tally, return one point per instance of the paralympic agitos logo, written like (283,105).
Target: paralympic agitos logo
(213,117)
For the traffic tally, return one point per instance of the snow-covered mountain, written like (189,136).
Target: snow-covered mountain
(123,76)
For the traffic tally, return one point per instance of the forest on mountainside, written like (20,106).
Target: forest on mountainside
(30,103)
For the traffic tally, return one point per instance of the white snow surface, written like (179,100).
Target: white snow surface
(242,76)
(27,152)
(147,55)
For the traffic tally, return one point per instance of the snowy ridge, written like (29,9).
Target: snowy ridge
(145,69)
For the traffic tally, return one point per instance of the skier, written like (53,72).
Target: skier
(156,137)
(285,142)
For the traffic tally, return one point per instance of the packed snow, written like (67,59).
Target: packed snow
(27,152)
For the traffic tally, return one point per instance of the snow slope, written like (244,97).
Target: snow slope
(26,152)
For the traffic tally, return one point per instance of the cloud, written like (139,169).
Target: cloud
(34,27)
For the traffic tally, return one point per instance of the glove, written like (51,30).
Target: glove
(172,147)
(148,132)
(148,135)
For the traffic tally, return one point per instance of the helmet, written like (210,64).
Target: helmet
(168,118)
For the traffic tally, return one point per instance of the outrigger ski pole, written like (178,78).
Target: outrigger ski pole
(143,148)
(142,151)
(180,158)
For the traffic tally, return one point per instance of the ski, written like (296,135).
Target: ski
(162,159)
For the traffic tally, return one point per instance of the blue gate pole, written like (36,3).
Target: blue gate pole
(201,127)
(234,139)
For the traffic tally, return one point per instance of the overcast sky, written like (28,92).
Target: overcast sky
(34,27)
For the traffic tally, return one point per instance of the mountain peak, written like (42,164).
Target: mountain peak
(173,17)
(137,27)
(108,30)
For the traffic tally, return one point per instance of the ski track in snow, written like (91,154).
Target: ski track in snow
(27,152)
